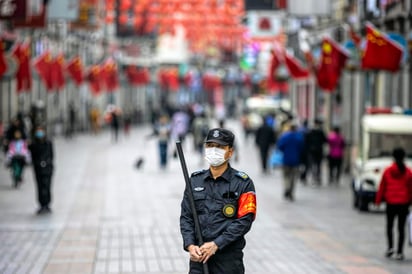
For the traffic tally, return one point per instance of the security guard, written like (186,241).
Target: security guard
(225,203)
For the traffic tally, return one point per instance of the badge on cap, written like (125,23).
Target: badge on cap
(216,133)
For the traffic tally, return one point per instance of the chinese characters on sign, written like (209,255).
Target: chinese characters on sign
(12,9)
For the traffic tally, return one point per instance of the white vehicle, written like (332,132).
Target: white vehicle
(381,133)
(259,106)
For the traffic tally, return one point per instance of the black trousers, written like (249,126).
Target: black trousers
(43,189)
(264,154)
(401,212)
(335,169)
(226,263)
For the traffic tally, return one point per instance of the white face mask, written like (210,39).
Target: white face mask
(215,156)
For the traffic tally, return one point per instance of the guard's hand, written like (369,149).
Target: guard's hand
(208,250)
(195,253)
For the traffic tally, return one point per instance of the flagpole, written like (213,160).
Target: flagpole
(9,98)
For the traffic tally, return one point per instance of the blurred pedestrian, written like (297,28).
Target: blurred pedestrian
(225,202)
(72,120)
(161,130)
(200,128)
(16,124)
(95,119)
(115,124)
(290,143)
(336,144)
(304,158)
(42,156)
(315,141)
(127,122)
(265,139)
(396,190)
(180,127)
(17,157)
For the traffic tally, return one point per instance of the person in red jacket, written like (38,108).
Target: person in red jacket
(396,190)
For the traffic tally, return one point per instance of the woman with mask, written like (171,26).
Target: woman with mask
(225,203)
(42,157)
(396,190)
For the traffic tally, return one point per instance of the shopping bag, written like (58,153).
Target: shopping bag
(409,220)
(276,158)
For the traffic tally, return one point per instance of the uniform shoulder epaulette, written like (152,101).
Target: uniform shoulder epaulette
(199,172)
(242,175)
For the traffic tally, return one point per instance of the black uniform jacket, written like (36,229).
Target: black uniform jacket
(42,157)
(210,198)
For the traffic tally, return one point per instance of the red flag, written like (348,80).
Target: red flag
(380,51)
(43,66)
(332,62)
(23,75)
(109,75)
(137,77)
(275,80)
(3,65)
(296,70)
(93,77)
(75,70)
(274,64)
(57,75)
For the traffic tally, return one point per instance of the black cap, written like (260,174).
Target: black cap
(220,136)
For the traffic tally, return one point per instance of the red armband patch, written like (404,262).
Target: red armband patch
(247,204)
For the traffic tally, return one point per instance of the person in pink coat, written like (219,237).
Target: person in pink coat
(336,144)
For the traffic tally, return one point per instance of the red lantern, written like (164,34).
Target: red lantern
(125,5)
(138,9)
(123,18)
(138,20)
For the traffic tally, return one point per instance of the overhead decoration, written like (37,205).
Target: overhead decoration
(206,22)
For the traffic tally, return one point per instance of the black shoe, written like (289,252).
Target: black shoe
(389,252)
(43,210)
(399,257)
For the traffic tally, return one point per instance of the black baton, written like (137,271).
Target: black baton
(191,199)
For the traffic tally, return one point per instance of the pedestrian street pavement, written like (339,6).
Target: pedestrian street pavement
(109,217)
